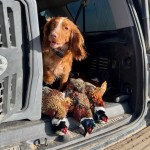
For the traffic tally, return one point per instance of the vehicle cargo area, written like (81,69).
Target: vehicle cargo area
(114,56)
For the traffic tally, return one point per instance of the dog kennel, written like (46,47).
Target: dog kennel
(20,61)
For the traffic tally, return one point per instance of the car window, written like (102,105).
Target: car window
(98,15)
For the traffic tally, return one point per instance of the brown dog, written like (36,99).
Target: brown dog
(62,42)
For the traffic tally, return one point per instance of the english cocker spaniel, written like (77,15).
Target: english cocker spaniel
(62,43)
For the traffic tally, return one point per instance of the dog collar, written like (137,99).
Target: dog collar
(59,53)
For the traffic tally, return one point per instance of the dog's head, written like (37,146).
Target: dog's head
(60,32)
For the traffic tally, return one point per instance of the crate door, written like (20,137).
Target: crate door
(11,58)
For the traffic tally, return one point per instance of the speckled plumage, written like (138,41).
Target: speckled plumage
(54,104)
(81,106)
(93,93)
(96,95)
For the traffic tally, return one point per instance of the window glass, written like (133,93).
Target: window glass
(98,15)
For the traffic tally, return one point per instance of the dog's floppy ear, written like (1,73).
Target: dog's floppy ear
(77,45)
(47,27)
(46,32)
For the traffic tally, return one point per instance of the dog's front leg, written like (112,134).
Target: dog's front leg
(48,77)
(63,80)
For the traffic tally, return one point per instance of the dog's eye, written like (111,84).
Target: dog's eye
(66,28)
(53,24)
(47,68)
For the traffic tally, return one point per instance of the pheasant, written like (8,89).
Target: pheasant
(97,104)
(81,107)
(55,105)
(94,95)
(82,112)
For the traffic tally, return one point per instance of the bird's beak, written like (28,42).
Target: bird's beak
(104,119)
(89,130)
(64,130)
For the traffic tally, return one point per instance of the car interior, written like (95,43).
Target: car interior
(114,55)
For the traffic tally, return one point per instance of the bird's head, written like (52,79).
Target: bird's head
(60,126)
(99,115)
(88,125)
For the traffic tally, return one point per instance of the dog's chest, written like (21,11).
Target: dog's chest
(55,64)
(57,69)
